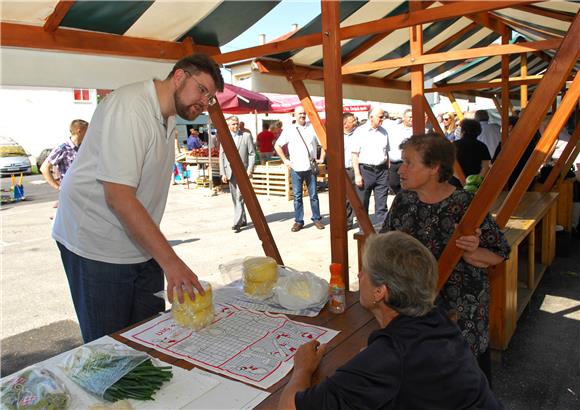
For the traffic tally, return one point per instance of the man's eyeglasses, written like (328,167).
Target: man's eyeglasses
(211,100)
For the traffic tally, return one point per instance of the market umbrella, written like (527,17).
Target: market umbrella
(238,100)
(282,103)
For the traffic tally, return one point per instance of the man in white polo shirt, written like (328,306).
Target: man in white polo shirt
(114,195)
(302,147)
(370,158)
(397,135)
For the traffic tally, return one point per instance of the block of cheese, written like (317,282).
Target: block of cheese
(260,274)
(195,314)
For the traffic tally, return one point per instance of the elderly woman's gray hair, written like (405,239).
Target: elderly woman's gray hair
(406,267)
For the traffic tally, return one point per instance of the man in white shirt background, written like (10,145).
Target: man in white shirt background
(397,135)
(302,145)
(370,158)
(349,123)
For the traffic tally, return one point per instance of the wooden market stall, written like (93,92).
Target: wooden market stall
(352,44)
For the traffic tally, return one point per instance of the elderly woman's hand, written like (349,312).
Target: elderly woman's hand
(308,356)
(469,243)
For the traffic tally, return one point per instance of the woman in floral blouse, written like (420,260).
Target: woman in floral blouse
(428,208)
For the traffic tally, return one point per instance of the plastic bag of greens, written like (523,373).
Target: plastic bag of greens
(114,372)
(34,388)
(96,368)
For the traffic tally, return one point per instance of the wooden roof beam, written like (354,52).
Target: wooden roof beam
(514,81)
(275,67)
(489,51)
(78,41)
(521,136)
(444,12)
(402,70)
(60,11)
(546,12)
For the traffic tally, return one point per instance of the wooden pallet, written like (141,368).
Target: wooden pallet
(273,179)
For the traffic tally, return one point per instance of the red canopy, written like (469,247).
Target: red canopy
(238,100)
(281,103)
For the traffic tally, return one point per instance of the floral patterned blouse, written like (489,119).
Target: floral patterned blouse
(466,292)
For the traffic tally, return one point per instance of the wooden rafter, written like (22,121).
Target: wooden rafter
(540,11)
(488,51)
(524,87)
(566,56)
(570,148)
(445,12)
(243,181)
(62,39)
(543,148)
(374,40)
(274,67)
(402,70)
(455,106)
(60,11)
(475,85)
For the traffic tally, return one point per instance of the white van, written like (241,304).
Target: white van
(13,158)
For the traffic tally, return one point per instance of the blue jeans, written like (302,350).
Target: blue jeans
(109,297)
(298,179)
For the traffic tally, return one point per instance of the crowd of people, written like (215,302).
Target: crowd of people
(116,257)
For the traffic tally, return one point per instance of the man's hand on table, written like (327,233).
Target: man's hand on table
(179,279)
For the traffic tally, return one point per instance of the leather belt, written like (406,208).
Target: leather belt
(380,167)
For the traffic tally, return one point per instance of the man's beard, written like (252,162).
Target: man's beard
(183,110)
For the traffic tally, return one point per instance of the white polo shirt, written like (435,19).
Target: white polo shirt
(127,143)
(371,145)
(397,135)
(296,148)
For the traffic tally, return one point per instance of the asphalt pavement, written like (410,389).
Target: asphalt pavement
(540,369)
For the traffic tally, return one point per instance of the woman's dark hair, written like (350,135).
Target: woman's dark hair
(435,150)
(470,128)
(196,63)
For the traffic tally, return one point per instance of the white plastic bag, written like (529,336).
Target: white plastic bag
(34,388)
(300,290)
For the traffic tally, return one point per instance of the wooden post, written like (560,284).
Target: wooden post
(523,87)
(417,74)
(239,172)
(505,88)
(543,148)
(558,70)
(335,139)
(455,106)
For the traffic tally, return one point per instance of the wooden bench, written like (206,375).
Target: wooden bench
(531,233)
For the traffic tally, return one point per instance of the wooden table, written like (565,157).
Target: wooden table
(355,326)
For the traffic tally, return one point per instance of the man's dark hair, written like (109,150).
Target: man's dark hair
(470,128)
(196,63)
(434,150)
(346,115)
(481,115)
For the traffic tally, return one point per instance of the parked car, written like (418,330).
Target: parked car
(42,156)
(13,158)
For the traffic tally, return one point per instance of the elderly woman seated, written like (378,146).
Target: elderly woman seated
(418,359)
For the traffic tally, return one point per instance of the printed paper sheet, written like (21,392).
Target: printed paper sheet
(254,347)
